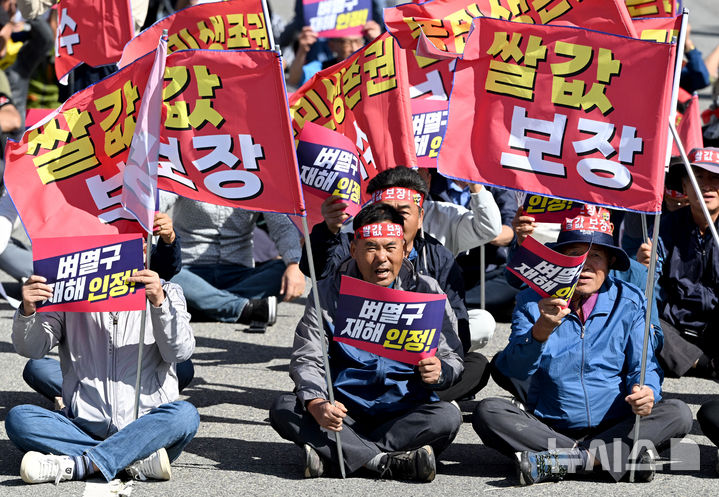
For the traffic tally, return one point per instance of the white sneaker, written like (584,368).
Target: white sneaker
(40,468)
(156,466)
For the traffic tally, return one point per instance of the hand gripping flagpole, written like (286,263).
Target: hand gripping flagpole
(325,358)
(649,292)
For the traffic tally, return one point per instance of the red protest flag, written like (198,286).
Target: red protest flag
(446,23)
(65,174)
(231,25)
(690,127)
(652,8)
(227,138)
(93,32)
(551,110)
(366,98)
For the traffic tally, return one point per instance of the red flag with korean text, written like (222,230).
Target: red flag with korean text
(231,25)
(661,29)
(446,23)
(64,175)
(552,110)
(93,32)
(365,98)
(652,8)
(690,127)
(227,139)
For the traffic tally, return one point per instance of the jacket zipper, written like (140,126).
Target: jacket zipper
(581,380)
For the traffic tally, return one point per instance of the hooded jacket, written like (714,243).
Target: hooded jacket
(98,357)
(367,384)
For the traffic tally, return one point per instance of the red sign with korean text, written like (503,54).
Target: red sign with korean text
(661,29)
(91,31)
(366,98)
(231,25)
(89,273)
(227,138)
(551,110)
(689,127)
(447,23)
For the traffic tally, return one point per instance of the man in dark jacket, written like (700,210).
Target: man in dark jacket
(689,298)
(582,360)
(387,413)
(405,190)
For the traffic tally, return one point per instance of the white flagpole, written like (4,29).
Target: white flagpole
(649,292)
(141,343)
(325,358)
(482,278)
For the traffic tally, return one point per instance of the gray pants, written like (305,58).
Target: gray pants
(507,428)
(434,424)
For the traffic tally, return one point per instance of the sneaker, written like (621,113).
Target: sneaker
(536,467)
(314,467)
(259,312)
(644,470)
(41,468)
(418,465)
(156,466)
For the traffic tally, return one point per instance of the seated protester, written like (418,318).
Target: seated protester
(331,247)
(387,413)
(96,431)
(45,375)
(708,417)
(219,276)
(689,300)
(582,361)
(499,295)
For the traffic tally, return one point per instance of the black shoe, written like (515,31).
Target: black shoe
(418,465)
(547,465)
(314,467)
(644,469)
(259,312)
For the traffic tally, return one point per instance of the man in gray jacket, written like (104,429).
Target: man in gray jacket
(387,414)
(96,431)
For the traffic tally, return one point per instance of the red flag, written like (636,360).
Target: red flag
(690,127)
(652,8)
(661,29)
(64,175)
(91,31)
(227,137)
(235,24)
(446,23)
(552,110)
(366,98)
(139,178)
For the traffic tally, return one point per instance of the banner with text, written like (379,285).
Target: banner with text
(652,8)
(337,18)
(550,210)
(547,272)
(329,165)
(230,25)
(365,98)
(89,273)
(551,110)
(400,325)
(93,32)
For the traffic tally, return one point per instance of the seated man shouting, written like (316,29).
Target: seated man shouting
(387,413)
(582,361)
(96,432)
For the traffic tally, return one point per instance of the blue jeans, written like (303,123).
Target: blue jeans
(221,291)
(45,376)
(171,426)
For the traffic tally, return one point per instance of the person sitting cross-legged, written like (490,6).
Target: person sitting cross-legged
(581,362)
(96,432)
(387,413)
